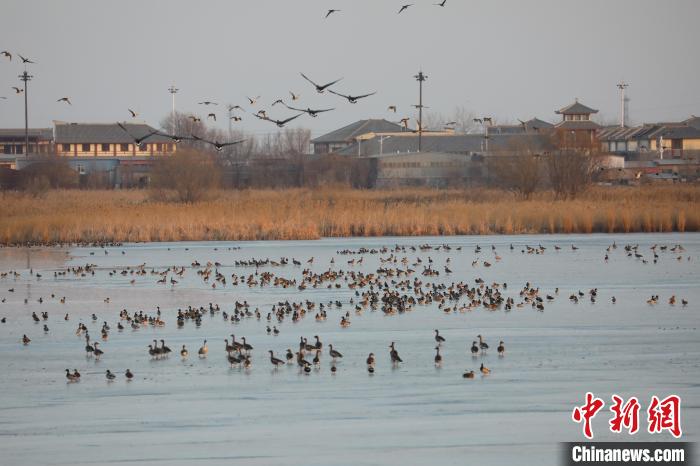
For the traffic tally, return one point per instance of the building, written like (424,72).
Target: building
(576,127)
(649,141)
(109,140)
(13,142)
(337,140)
(432,169)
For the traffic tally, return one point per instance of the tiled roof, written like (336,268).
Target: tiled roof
(577,108)
(104,133)
(349,132)
(577,125)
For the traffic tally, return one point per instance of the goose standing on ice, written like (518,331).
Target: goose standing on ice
(439,339)
(203,350)
(438,357)
(183,352)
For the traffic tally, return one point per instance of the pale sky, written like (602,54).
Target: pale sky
(503,58)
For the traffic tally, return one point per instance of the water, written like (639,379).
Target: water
(203,412)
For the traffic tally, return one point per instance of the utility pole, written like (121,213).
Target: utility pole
(173,90)
(622,86)
(420,77)
(26,77)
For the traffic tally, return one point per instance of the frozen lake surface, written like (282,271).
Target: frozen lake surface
(201,411)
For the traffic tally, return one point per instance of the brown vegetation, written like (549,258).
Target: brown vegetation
(67,216)
(190,174)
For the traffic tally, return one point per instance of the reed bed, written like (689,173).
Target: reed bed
(74,216)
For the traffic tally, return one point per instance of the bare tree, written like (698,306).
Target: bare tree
(190,174)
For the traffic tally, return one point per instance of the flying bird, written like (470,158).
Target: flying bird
(194,118)
(138,140)
(351,98)
(64,99)
(404,122)
(133,113)
(278,101)
(488,120)
(25,60)
(262,113)
(7,54)
(330,12)
(404,8)
(218,145)
(17,90)
(280,123)
(294,96)
(252,100)
(478,120)
(442,3)
(312,113)
(3,97)
(450,123)
(318,87)
(236,118)
(234,107)
(207,102)
(392,108)
(212,115)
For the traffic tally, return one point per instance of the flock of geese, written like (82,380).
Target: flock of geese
(397,286)
(235,111)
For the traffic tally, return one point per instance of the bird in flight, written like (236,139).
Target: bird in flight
(133,113)
(330,12)
(252,100)
(7,54)
(488,120)
(262,113)
(207,102)
(234,107)
(212,115)
(17,90)
(351,98)
(294,96)
(218,145)
(450,123)
(194,118)
(312,113)
(3,97)
(25,60)
(392,108)
(404,122)
(64,99)
(318,87)
(404,8)
(236,118)
(278,101)
(138,140)
(442,3)
(478,120)
(280,123)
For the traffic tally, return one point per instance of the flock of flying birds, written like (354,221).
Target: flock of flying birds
(260,114)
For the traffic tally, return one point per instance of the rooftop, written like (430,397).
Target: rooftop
(104,133)
(577,108)
(351,131)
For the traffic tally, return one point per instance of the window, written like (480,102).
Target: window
(85,147)
(124,147)
(19,149)
(105,147)
(7,149)
(65,147)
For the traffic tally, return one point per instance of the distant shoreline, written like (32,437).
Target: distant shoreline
(90,218)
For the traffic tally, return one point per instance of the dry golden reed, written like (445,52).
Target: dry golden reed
(74,216)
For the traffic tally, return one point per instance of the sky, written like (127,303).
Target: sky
(510,59)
